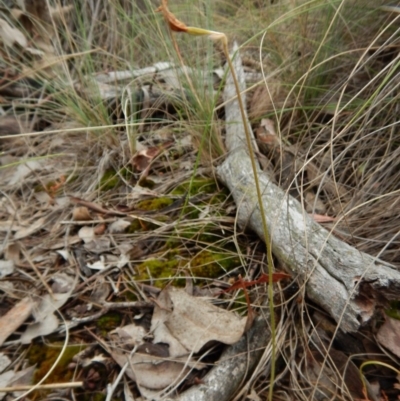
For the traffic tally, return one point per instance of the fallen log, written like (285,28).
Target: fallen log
(345,282)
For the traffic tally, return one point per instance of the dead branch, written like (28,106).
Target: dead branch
(345,282)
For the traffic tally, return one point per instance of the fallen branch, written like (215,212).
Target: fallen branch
(345,282)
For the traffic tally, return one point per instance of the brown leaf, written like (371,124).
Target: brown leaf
(99,229)
(389,335)
(81,213)
(142,159)
(14,318)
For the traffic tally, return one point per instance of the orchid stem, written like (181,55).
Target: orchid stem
(268,243)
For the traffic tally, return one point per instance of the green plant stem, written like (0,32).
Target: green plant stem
(268,243)
(374,362)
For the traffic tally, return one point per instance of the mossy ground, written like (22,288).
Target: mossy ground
(43,356)
(208,260)
(206,264)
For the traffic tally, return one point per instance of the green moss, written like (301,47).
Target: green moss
(44,357)
(134,227)
(196,186)
(160,272)
(110,180)
(108,322)
(154,203)
(394,310)
(210,264)
(206,264)
(126,173)
(98,397)
(149,205)
(142,225)
(95,396)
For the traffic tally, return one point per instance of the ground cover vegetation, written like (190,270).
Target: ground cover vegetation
(119,244)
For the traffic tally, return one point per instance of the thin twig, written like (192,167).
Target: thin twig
(41,387)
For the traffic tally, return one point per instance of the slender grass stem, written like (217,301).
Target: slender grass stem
(268,243)
(175,25)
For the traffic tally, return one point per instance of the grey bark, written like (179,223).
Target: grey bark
(345,282)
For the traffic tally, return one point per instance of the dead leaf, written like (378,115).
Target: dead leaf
(10,322)
(150,371)
(100,292)
(118,226)
(123,260)
(160,331)
(12,252)
(141,160)
(98,265)
(27,231)
(64,253)
(87,234)
(5,379)
(130,334)
(6,268)
(194,322)
(46,321)
(62,283)
(11,35)
(21,378)
(43,197)
(100,229)
(24,169)
(98,245)
(46,326)
(5,361)
(389,335)
(81,213)
(313,203)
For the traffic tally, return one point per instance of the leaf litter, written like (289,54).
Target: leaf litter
(76,231)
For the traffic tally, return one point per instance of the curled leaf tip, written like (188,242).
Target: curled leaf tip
(174,24)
